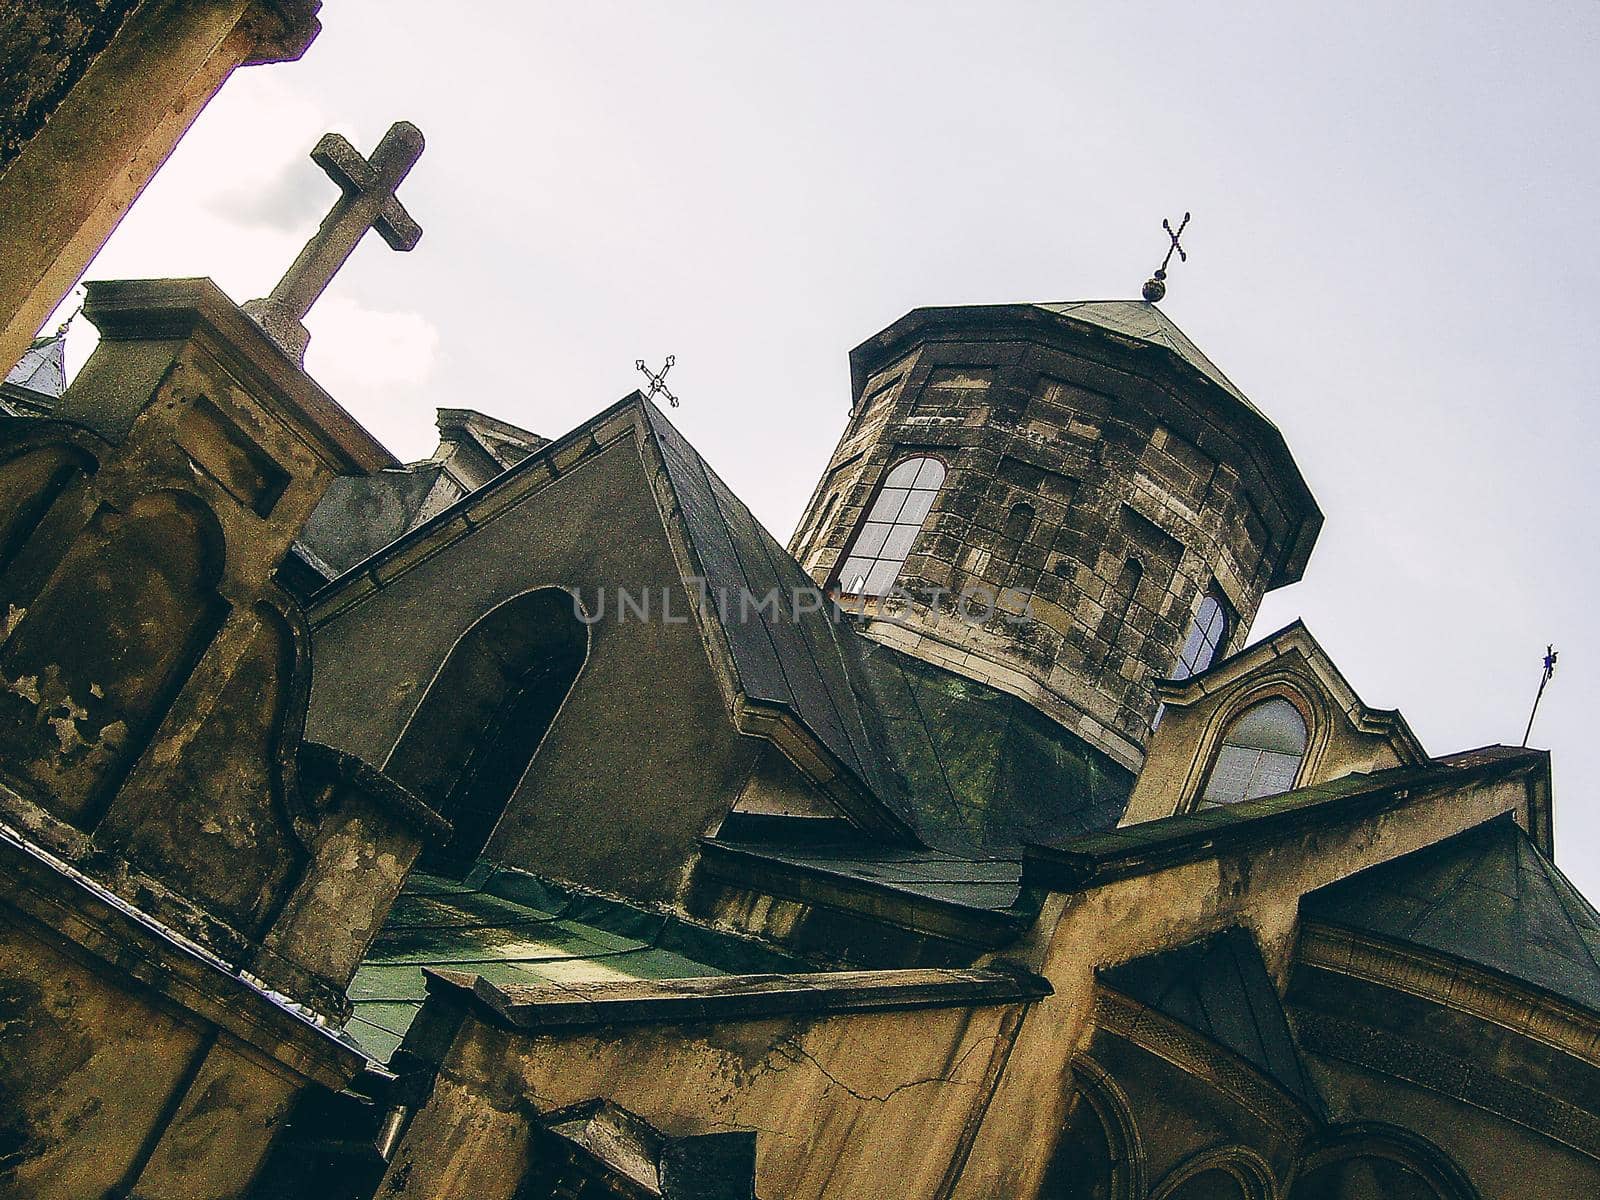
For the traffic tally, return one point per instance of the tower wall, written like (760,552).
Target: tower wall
(1070,453)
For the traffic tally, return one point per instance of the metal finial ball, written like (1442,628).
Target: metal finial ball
(1154,288)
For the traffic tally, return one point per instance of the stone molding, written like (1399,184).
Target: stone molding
(540,1008)
(1456,1078)
(1455,985)
(70,910)
(1197,1055)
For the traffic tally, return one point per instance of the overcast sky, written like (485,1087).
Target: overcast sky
(1393,254)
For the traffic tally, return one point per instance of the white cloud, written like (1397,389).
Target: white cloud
(379,365)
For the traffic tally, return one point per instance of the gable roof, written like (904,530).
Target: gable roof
(788,657)
(1295,637)
(1486,896)
(1220,988)
(508,926)
(788,667)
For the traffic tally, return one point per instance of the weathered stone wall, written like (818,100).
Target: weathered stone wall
(45,47)
(873,1104)
(1114,461)
(1258,889)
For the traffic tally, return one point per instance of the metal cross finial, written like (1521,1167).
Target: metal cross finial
(1550,656)
(1156,286)
(367,201)
(658,379)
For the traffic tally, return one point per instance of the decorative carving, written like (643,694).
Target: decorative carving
(1460,1079)
(1454,985)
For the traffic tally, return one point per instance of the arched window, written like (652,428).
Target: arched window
(472,737)
(1373,1161)
(1206,636)
(881,545)
(1097,1156)
(1260,754)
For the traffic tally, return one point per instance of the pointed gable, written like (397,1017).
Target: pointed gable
(43,368)
(789,658)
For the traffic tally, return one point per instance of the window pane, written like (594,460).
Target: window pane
(888,504)
(853,575)
(1274,774)
(882,576)
(1230,775)
(930,475)
(905,474)
(870,543)
(1275,725)
(916,507)
(899,542)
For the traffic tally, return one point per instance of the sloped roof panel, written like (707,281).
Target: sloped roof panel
(1487,896)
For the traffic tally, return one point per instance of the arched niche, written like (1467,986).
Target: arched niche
(1097,1155)
(30,480)
(1230,1173)
(1377,1162)
(217,784)
(89,667)
(481,721)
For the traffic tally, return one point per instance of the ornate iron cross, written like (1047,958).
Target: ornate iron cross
(658,379)
(1156,286)
(367,200)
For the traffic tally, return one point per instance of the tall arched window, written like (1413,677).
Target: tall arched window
(1260,755)
(884,540)
(472,737)
(1206,636)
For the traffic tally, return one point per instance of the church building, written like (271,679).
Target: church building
(530,823)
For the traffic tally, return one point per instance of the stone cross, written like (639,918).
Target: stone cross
(367,201)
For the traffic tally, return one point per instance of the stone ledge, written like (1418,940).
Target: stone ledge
(61,906)
(1190,837)
(543,1008)
(746,866)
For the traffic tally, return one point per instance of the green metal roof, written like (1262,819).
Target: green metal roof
(510,927)
(1487,896)
(1143,320)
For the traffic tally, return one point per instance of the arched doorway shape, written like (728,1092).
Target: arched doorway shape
(482,719)
(1373,1161)
(1098,1155)
(1230,1173)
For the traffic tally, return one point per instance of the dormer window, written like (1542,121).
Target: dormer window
(1260,754)
(1207,635)
(873,564)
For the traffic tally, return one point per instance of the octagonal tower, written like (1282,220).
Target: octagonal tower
(1086,466)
